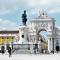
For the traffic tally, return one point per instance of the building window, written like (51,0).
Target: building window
(12,37)
(2,37)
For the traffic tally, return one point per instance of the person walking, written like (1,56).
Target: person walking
(9,51)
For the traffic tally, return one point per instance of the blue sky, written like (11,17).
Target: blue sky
(11,10)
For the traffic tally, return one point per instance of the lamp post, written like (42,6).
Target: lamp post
(7,45)
(12,42)
(2,41)
(53,35)
(53,45)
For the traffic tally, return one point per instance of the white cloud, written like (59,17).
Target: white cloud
(52,6)
(7,24)
(42,2)
(35,3)
(54,10)
(6,6)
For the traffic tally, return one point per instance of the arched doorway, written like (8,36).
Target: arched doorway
(39,32)
(42,42)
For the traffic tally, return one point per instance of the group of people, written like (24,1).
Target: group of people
(35,48)
(8,49)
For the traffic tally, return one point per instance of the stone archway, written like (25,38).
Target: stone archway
(43,22)
(40,41)
(39,32)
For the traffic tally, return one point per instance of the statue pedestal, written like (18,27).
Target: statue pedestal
(23,35)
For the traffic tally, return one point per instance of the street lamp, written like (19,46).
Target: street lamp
(12,42)
(7,45)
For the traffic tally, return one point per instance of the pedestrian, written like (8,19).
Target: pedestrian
(9,51)
(57,49)
(34,50)
(2,49)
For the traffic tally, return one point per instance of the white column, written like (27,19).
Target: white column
(49,45)
(25,35)
(55,45)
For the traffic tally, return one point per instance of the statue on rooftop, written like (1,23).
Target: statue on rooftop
(24,18)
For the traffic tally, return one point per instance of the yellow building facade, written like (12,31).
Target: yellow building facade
(7,37)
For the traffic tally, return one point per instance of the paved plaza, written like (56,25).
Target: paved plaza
(30,57)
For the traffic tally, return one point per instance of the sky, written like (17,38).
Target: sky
(12,10)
